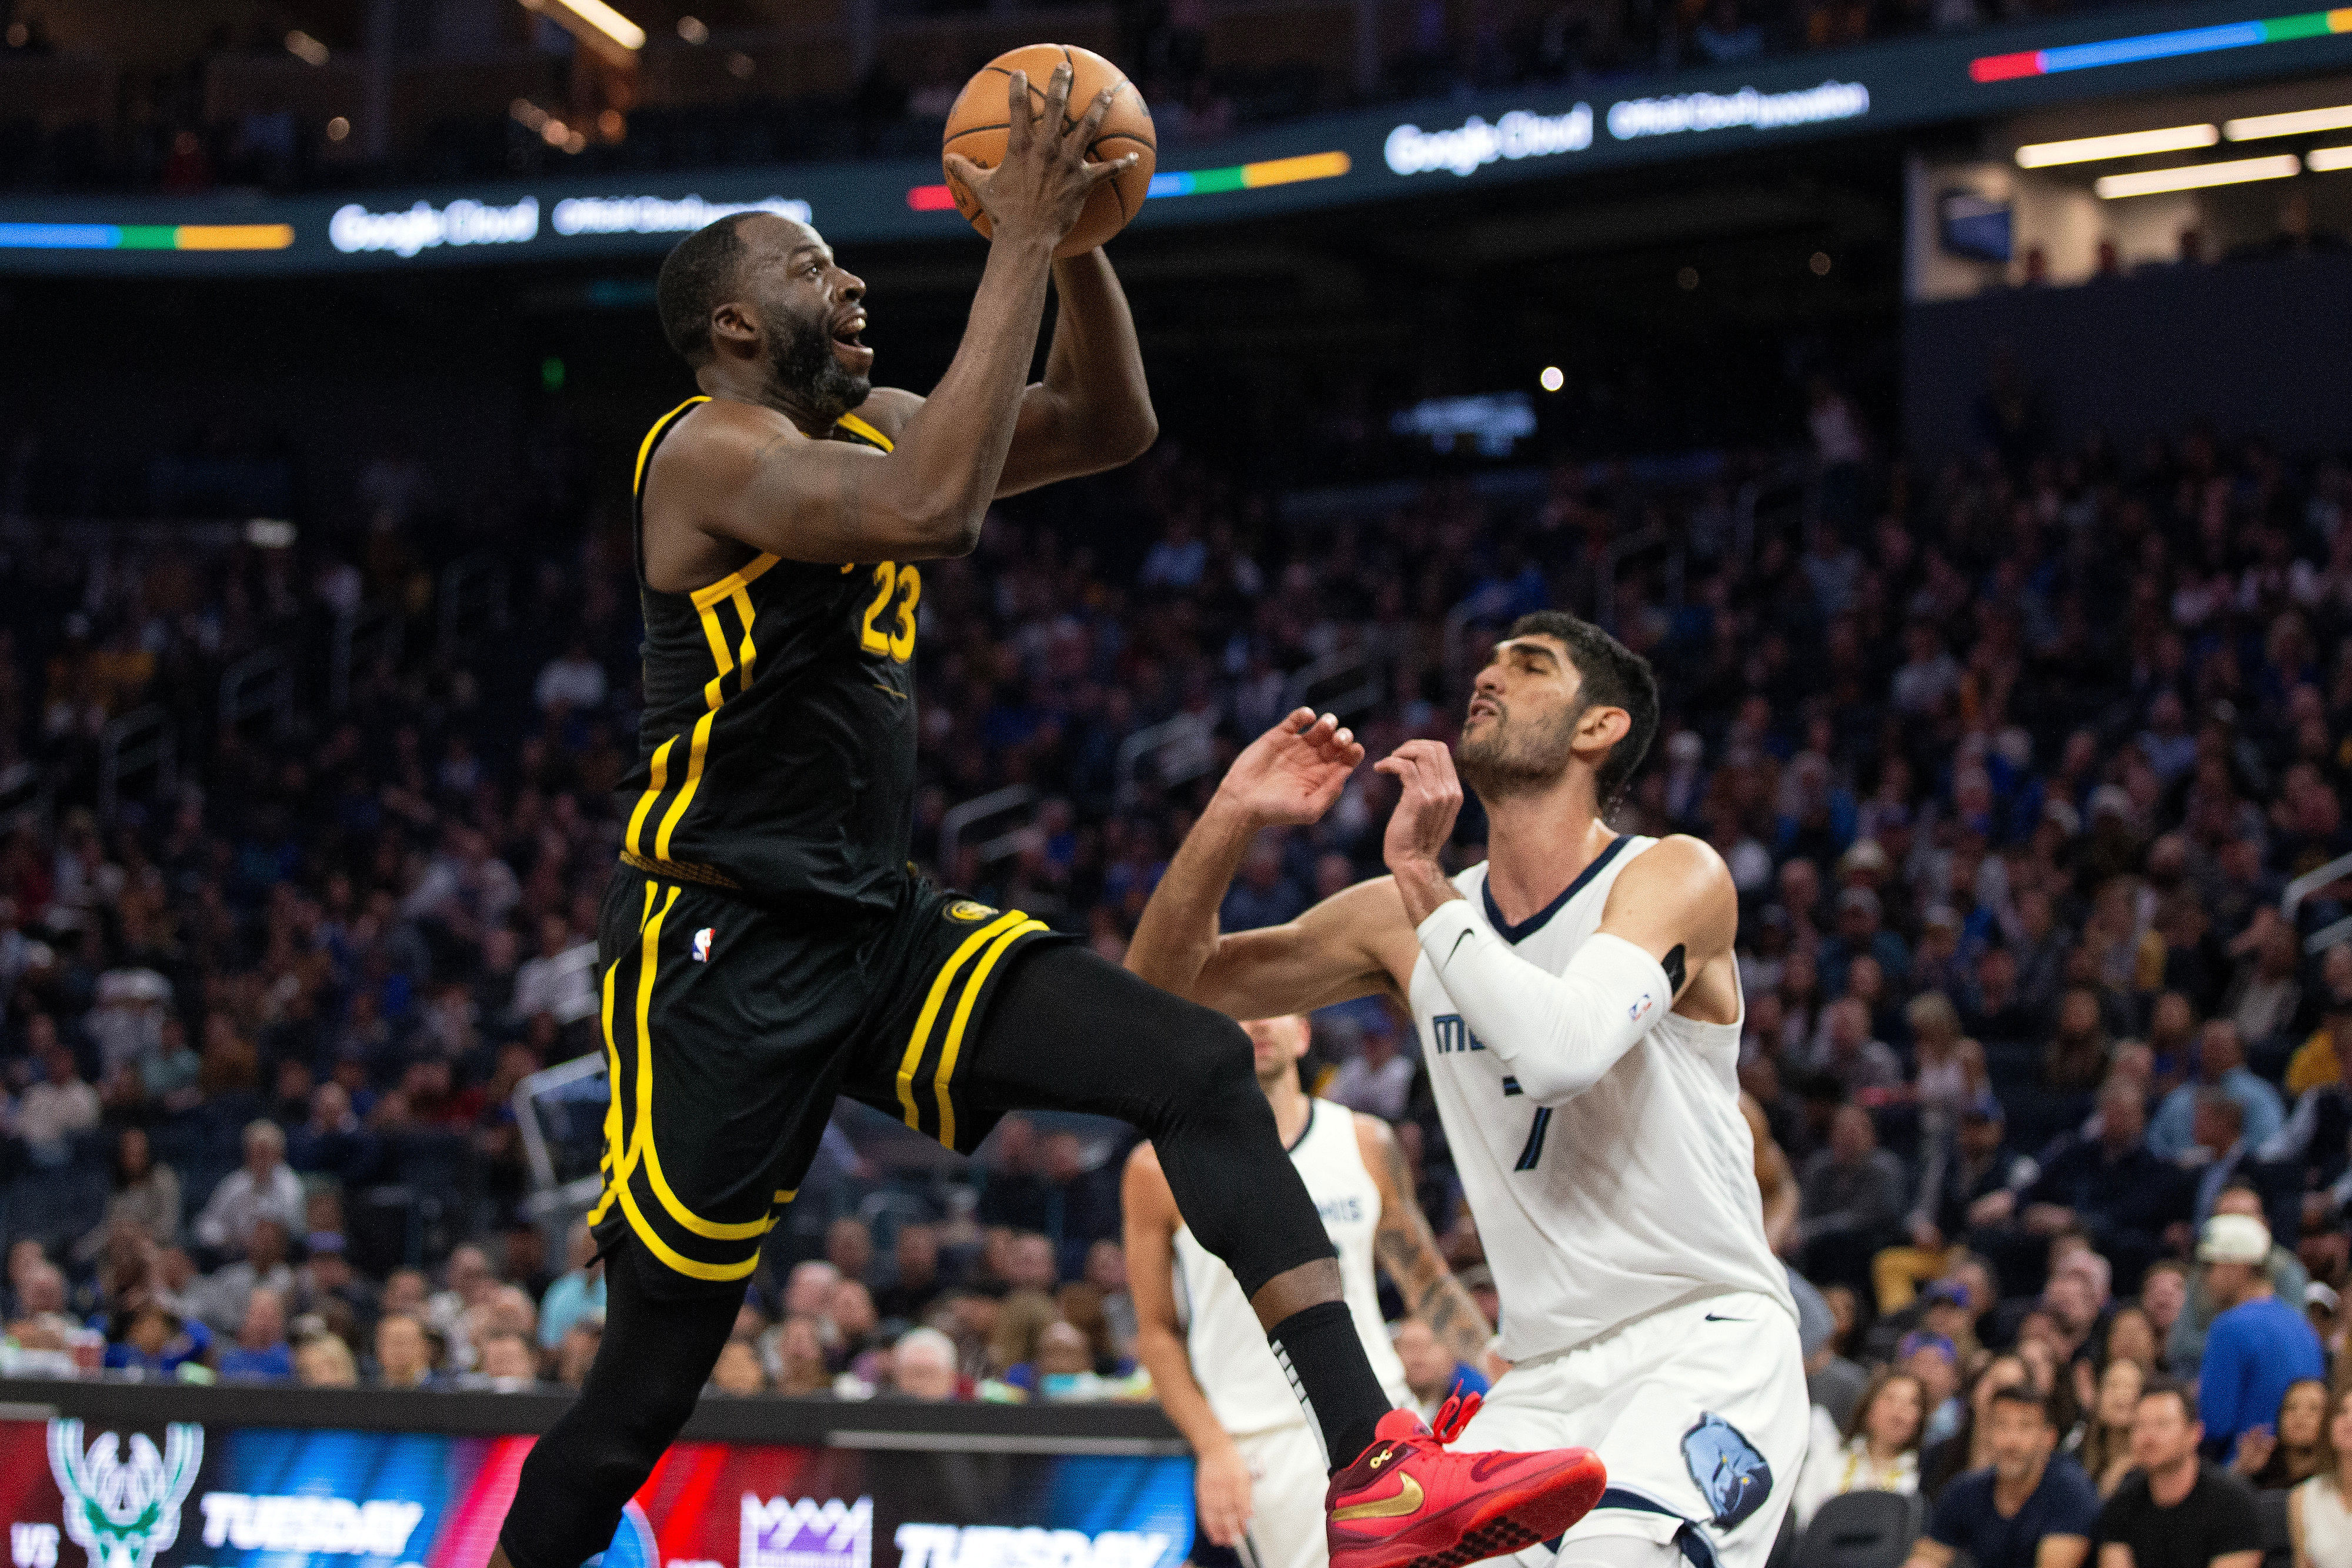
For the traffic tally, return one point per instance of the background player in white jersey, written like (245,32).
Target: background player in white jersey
(1260,1466)
(1578,1007)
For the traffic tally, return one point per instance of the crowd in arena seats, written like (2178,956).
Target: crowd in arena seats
(163,130)
(2013,764)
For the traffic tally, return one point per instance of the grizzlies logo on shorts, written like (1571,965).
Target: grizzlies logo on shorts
(1731,1474)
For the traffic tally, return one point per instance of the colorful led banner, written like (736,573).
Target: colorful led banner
(189,1494)
(1368,155)
(2132,48)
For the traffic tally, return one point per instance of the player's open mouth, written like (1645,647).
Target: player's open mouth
(1484,708)
(854,356)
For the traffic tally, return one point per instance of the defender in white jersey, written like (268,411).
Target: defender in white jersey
(1578,1007)
(1260,1466)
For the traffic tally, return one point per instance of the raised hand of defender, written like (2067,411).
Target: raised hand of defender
(1042,186)
(1431,798)
(1292,773)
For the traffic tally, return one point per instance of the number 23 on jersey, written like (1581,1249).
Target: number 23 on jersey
(887,627)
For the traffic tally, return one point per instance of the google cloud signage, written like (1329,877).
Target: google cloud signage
(407,232)
(1521,135)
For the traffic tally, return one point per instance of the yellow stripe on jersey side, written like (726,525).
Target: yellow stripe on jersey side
(645,446)
(742,603)
(923,1021)
(971,990)
(720,658)
(659,769)
(856,425)
(699,749)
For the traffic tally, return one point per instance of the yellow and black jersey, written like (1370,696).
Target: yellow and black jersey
(776,756)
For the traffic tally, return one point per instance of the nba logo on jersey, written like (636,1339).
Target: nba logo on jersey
(1633,1014)
(1734,1478)
(702,945)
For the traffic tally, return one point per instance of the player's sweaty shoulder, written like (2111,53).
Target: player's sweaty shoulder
(1679,876)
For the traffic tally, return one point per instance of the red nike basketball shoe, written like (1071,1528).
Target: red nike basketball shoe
(1408,1503)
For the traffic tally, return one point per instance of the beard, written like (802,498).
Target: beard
(1503,760)
(803,363)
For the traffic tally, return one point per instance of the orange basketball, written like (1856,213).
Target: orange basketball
(976,126)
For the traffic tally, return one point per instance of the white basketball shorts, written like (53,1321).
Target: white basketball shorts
(1699,1412)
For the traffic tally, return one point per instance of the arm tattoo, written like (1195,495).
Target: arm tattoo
(1673,964)
(1408,1252)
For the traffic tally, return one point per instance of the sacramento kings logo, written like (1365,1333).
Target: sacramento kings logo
(799,1532)
(124,1513)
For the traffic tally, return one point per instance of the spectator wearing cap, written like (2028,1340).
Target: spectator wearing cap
(2317,1061)
(2258,1344)
(1935,1362)
(2031,1508)
(2221,1064)
(2184,1344)
(1970,1179)
(263,1187)
(1859,931)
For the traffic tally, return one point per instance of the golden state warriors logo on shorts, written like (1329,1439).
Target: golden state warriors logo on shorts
(969,909)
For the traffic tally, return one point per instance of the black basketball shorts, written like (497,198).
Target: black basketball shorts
(729,1028)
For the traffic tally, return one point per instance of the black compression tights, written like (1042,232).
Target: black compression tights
(1067,1031)
(657,1354)
(1071,1031)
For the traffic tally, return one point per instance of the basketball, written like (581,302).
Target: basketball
(976,128)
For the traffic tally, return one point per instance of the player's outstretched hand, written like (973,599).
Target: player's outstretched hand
(1041,188)
(1220,1487)
(1424,814)
(1292,773)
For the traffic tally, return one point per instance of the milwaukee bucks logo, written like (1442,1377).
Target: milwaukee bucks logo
(124,1513)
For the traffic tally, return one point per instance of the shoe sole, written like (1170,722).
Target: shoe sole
(1529,1514)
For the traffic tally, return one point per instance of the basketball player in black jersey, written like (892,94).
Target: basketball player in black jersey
(765,945)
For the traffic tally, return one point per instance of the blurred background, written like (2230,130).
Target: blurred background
(1948,396)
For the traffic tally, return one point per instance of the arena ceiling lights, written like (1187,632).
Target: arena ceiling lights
(2197,176)
(2128,144)
(2297,122)
(596,24)
(2328,160)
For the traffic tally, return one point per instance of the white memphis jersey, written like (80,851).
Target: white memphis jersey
(1231,1358)
(1635,1194)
